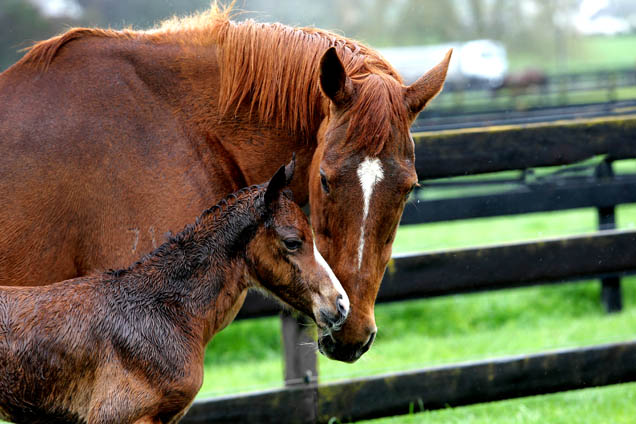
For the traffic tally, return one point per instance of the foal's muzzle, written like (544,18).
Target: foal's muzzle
(334,319)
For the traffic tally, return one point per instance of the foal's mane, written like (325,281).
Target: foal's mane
(274,69)
(238,202)
(213,219)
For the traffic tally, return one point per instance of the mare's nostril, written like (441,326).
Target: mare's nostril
(369,342)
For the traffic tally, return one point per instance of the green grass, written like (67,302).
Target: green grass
(477,101)
(583,54)
(613,404)
(438,331)
(492,230)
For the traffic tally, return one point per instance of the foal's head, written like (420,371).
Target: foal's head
(284,260)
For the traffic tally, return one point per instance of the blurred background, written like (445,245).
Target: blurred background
(509,55)
(551,35)
(514,61)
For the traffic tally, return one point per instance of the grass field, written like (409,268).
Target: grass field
(583,54)
(422,333)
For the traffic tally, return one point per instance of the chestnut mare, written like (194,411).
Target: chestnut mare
(111,139)
(127,346)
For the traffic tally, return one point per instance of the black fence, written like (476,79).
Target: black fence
(607,254)
(531,90)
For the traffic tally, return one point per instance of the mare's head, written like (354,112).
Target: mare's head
(360,177)
(284,260)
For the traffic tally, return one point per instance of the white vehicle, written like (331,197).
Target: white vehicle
(473,62)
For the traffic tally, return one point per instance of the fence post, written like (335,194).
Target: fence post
(301,361)
(610,286)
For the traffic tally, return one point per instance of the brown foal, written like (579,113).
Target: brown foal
(127,346)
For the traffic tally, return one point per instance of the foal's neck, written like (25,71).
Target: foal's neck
(199,275)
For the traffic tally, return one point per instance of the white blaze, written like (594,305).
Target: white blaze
(334,280)
(370,173)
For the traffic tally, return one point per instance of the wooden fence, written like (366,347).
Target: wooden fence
(607,254)
(462,97)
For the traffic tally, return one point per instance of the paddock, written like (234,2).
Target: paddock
(607,255)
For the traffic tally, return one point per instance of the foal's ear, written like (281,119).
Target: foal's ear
(275,186)
(334,82)
(422,91)
(289,169)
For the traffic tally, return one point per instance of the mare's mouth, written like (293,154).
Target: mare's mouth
(332,349)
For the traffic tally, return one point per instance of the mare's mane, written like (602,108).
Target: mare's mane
(274,69)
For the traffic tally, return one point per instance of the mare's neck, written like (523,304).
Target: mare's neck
(237,145)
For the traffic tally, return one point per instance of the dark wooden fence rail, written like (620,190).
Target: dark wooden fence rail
(451,153)
(606,254)
(431,388)
(570,193)
(541,114)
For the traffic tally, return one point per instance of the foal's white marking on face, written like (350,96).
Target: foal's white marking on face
(334,280)
(370,173)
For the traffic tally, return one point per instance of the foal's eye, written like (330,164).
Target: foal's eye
(323,181)
(292,244)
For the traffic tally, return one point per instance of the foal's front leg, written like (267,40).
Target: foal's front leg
(154,420)
(180,415)
(121,397)
(148,420)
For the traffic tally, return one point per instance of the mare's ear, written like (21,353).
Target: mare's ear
(275,186)
(422,91)
(289,169)
(334,82)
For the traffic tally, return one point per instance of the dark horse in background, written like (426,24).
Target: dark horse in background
(109,140)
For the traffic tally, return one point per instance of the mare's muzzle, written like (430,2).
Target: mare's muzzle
(344,352)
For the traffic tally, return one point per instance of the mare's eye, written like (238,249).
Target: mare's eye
(323,181)
(292,244)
